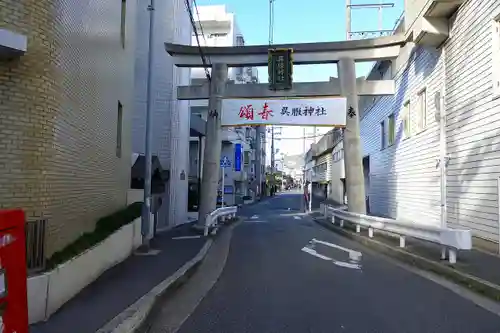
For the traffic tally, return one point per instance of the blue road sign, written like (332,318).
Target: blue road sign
(225,162)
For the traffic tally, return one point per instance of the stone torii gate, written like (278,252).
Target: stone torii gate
(343,53)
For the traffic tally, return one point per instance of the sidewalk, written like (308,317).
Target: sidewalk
(123,284)
(475,269)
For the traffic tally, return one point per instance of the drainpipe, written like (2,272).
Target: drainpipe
(443,158)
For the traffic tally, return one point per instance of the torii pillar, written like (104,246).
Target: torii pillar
(353,162)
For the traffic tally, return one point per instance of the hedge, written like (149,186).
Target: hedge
(104,228)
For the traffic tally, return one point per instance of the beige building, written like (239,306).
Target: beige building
(65,108)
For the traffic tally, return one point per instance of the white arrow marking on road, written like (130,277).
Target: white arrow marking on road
(297,217)
(254,217)
(187,237)
(314,253)
(353,255)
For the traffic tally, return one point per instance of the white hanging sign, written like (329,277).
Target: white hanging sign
(302,112)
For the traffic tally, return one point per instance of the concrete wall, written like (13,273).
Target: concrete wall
(337,173)
(49,291)
(405,182)
(170,117)
(59,113)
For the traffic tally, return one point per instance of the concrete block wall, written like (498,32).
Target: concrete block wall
(58,113)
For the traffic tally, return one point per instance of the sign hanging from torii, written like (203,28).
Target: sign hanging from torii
(301,112)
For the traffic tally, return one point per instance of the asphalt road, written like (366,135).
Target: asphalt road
(274,282)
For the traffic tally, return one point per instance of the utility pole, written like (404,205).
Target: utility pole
(271,42)
(271,22)
(272,159)
(146,208)
(366,33)
(305,152)
(258,160)
(348,16)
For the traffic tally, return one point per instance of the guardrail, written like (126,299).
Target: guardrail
(451,240)
(219,214)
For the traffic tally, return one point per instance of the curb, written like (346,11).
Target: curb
(478,285)
(132,319)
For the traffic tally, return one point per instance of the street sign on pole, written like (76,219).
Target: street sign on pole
(224,163)
(280,69)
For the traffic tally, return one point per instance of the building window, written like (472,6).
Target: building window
(122,22)
(119,121)
(382,134)
(392,130)
(421,110)
(495,57)
(338,155)
(406,120)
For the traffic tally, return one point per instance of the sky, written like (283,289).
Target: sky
(299,21)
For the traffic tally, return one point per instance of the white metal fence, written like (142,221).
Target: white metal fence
(220,214)
(450,240)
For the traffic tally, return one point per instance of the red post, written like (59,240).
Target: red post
(13,274)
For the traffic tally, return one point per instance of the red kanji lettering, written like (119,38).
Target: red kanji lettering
(266,112)
(246,111)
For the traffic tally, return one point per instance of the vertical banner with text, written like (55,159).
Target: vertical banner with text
(237,157)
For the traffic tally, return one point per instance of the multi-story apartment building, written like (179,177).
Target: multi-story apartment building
(430,151)
(66,100)
(217,27)
(171,126)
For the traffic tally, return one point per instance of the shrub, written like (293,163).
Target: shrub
(103,229)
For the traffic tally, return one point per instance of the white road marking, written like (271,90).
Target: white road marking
(346,264)
(297,217)
(187,237)
(314,253)
(353,255)
(255,221)
(254,217)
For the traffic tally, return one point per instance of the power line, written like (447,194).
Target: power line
(193,24)
(303,137)
(201,26)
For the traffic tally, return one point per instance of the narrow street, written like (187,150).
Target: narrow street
(276,281)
